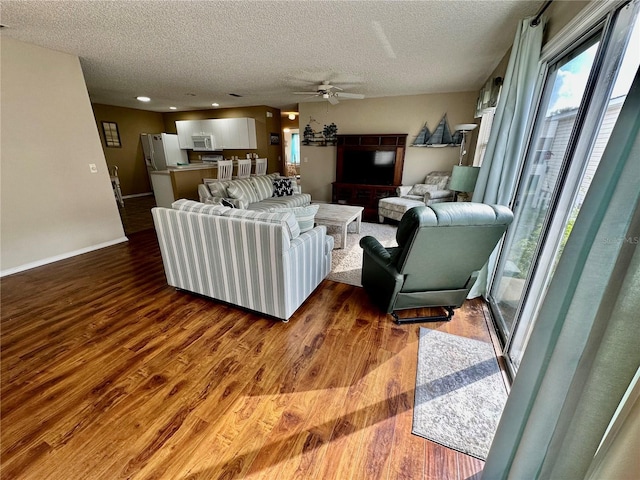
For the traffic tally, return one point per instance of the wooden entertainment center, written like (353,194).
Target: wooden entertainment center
(358,180)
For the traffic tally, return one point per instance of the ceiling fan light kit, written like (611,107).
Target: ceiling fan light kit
(326,91)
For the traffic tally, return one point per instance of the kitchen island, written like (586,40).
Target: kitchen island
(180,182)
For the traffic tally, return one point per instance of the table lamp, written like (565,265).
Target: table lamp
(463,179)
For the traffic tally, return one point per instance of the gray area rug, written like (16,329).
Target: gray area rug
(346,264)
(459,394)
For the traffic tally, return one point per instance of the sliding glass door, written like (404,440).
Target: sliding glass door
(582,95)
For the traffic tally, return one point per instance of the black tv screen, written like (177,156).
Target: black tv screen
(369,167)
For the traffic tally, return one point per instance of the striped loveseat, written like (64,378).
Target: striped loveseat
(256,260)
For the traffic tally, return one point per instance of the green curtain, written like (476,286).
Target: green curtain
(508,137)
(584,349)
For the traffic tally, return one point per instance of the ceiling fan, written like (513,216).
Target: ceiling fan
(327,91)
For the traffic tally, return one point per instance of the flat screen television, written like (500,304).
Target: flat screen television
(368,167)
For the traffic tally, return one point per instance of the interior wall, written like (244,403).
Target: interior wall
(52,205)
(267,122)
(559,13)
(402,114)
(134,178)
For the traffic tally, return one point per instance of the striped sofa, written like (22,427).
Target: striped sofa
(256,260)
(255,193)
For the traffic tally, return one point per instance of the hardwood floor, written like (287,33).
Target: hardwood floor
(109,373)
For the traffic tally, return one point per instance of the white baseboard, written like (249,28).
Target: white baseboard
(63,256)
(135,195)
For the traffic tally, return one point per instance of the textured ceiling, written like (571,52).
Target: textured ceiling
(190,54)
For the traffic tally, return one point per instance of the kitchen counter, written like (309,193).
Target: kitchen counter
(180,182)
(193,166)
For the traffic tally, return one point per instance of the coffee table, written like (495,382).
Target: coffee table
(339,215)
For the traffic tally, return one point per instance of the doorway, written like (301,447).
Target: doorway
(292,152)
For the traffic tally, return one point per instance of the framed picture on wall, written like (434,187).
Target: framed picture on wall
(274,139)
(111,134)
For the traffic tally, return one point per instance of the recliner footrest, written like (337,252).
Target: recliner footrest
(431,318)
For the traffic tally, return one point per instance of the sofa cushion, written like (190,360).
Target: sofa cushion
(198,207)
(304,215)
(282,187)
(216,188)
(263,187)
(243,189)
(439,179)
(296,200)
(270,217)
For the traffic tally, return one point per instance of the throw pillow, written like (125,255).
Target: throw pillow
(282,187)
(243,190)
(197,207)
(304,215)
(439,179)
(270,217)
(420,189)
(262,186)
(217,189)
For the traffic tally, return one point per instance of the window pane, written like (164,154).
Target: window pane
(629,66)
(566,85)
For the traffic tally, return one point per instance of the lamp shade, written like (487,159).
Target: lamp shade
(465,127)
(463,178)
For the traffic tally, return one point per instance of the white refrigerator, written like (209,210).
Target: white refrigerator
(161,150)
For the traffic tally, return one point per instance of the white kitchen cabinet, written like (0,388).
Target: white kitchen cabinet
(229,133)
(241,133)
(186,129)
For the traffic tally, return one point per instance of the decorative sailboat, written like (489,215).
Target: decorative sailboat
(441,137)
(423,136)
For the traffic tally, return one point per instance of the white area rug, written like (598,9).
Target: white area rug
(346,264)
(460,393)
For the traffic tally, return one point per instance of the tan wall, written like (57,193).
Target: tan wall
(52,205)
(132,170)
(559,14)
(403,114)
(264,126)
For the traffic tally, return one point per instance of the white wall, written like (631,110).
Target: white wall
(403,114)
(51,205)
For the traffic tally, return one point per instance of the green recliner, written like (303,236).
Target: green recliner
(440,250)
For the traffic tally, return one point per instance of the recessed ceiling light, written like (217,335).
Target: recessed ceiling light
(143,99)
(173,108)
(215,104)
(292,116)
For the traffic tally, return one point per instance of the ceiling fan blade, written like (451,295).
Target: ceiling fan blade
(306,93)
(333,100)
(357,96)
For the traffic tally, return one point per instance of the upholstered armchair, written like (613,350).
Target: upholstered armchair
(434,189)
(440,250)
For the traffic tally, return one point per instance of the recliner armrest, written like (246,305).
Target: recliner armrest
(375,249)
(381,255)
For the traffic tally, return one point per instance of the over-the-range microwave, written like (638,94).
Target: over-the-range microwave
(203,143)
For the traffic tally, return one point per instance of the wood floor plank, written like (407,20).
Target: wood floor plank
(133,379)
